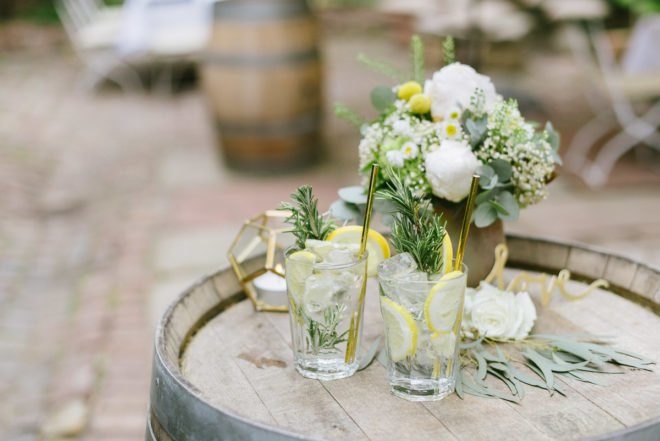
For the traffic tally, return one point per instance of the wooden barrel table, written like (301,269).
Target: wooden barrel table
(224,372)
(261,73)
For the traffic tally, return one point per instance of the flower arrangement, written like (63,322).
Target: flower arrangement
(438,135)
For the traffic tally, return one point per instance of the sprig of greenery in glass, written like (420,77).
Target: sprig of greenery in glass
(305,218)
(323,335)
(416,228)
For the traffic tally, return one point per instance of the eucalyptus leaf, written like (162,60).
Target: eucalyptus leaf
(543,364)
(509,204)
(504,380)
(498,207)
(477,129)
(353,194)
(459,384)
(482,366)
(485,171)
(368,357)
(502,168)
(382,97)
(484,215)
(485,196)
(344,211)
(586,378)
(577,349)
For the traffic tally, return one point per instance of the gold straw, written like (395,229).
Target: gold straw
(467,220)
(353,332)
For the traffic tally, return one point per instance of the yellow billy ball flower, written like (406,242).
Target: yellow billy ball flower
(420,103)
(406,90)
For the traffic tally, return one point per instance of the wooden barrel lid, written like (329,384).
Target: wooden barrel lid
(222,371)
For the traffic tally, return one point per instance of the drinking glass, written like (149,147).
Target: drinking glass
(326,300)
(422,316)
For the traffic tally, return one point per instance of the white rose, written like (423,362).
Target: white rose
(449,170)
(395,158)
(500,315)
(453,86)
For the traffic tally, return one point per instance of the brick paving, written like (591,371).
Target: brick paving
(112,203)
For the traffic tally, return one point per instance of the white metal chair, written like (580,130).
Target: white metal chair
(615,110)
(93,30)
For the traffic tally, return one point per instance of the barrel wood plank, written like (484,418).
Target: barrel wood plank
(224,372)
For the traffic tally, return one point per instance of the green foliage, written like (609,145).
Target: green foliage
(348,114)
(382,97)
(640,7)
(449,50)
(496,200)
(417,59)
(305,218)
(382,67)
(323,335)
(416,228)
(538,361)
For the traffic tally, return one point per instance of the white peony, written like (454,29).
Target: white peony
(500,315)
(395,158)
(449,170)
(453,86)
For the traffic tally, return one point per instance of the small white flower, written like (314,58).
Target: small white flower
(401,127)
(453,114)
(395,158)
(409,150)
(450,129)
(453,86)
(449,170)
(500,315)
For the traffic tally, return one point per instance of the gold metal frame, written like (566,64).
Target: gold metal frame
(268,235)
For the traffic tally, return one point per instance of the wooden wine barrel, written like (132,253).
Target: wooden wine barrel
(223,372)
(262,73)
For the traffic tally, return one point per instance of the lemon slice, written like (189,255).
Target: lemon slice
(297,271)
(442,305)
(443,344)
(377,245)
(402,332)
(447,255)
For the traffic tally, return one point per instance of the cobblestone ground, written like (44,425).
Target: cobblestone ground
(111,203)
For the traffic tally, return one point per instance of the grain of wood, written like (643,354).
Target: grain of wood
(295,403)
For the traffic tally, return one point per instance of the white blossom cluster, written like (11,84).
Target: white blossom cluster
(512,139)
(402,141)
(438,138)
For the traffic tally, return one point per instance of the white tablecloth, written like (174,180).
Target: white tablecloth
(165,27)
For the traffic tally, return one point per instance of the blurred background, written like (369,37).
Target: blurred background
(137,136)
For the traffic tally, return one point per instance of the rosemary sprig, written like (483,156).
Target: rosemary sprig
(416,229)
(305,218)
(324,336)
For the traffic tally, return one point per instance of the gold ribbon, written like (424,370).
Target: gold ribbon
(547,282)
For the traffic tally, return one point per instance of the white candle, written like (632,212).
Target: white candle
(270,282)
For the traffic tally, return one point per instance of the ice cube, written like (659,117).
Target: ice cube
(396,266)
(411,291)
(337,253)
(322,291)
(319,247)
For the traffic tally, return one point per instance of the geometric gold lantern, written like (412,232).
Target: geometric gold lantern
(257,258)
